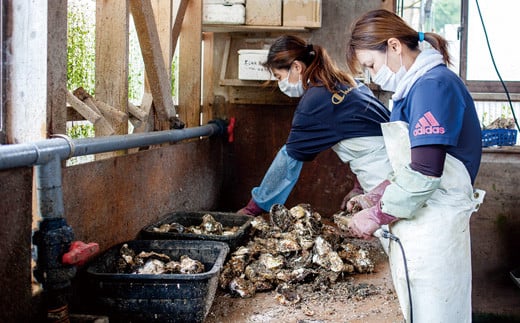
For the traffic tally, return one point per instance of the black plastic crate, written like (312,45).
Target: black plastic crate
(195,218)
(157,298)
(515,276)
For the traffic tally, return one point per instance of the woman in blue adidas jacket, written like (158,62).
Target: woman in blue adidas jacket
(434,145)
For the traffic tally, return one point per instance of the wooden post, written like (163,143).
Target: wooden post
(112,56)
(190,65)
(57,67)
(207,104)
(27,72)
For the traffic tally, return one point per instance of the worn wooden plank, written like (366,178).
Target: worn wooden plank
(27,71)
(162,11)
(190,43)
(208,86)
(145,25)
(112,56)
(56,67)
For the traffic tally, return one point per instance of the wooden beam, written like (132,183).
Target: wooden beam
(182,5)
(190,64)
(156,72)
(112,56)
(101,125)
(56,67)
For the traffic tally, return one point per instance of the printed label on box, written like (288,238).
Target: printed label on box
(250,65)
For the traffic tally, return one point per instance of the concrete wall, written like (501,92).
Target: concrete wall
(495,232)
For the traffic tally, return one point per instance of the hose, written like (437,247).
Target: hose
(386,234)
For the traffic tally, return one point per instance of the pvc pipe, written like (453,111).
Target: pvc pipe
(41,152)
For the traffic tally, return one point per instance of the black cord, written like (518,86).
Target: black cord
(495,66)
(388,235)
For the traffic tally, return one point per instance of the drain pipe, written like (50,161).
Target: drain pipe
(52,240)
(54,236)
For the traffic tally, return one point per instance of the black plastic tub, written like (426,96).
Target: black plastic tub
(195,218)
(157,298)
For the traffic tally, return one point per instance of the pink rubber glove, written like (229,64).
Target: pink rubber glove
(364,223)
(251,209)
(355,191)
(365,201)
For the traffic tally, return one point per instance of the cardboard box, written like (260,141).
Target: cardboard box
(224,12)
(264,12)
(250,65)
(302,13)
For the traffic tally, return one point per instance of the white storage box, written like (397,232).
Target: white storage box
(224,12)
(250,65)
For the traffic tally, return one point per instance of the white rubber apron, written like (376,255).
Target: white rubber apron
(436,241)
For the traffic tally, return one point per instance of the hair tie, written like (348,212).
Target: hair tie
(421,36)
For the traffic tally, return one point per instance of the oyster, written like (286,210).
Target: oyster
(170,227)
(241,287)
(190,266)
(287,295)
(293,247)
(299,211)
(358,258)
(210,225)
(342,219)
(280,217)
(152,266)
(155,263)
(326,257)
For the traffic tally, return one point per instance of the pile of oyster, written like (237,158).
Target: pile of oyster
(155,263)
(208,226)
(293,247)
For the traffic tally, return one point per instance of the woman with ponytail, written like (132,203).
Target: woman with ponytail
(334,112)
(434,145)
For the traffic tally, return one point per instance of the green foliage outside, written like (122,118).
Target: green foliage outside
(445,12)
(81,54)
(80,129)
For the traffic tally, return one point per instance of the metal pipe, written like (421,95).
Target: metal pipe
(48,185)
(41,152)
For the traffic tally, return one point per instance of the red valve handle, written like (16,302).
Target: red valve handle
(231,129)
(79,253)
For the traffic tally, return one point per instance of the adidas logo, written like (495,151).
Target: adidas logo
(428,125)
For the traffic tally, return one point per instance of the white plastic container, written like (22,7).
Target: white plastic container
(250,65)
(224,12)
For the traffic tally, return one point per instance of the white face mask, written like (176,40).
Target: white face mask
(290,89)
(387,79)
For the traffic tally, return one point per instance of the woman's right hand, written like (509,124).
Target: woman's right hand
(365,201)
